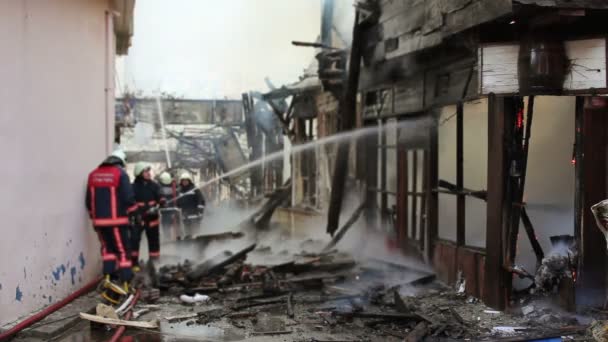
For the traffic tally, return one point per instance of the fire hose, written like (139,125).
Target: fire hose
(48,310)
(118,334)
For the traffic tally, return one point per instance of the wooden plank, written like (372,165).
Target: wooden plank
(111,321)
(494,280)
(414,41)
(433,18)
(409,19)
(409,96)
(478,12)
(402,197)
(445,261)
(498,66)
(449,6)
(467,263)
(392,8)
(446,85)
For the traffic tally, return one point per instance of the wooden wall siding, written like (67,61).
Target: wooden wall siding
(498,65)
(450,259)
(597,4)
(435,86)
(420,24)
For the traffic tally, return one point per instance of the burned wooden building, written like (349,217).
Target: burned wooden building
(493,135)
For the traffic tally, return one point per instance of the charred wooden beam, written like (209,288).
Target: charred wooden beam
(578,169)
(433,197)
(217,263)
(495,279)
(348,114)
(351,221)
(261,218)
(418,333)
(513,137)
(383,167)
(259,303)
(452,189)
(529,228)
(290,312)
(592,261)
(379,315)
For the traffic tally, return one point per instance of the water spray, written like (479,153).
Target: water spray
(336,138)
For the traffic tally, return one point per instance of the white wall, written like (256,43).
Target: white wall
(52,133)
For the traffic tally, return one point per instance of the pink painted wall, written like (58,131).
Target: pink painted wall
(52,133)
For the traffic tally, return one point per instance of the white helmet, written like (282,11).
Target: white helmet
(140,167)
(165,178)
(120,154)
(185,175)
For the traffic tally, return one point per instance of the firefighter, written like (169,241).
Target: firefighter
(112,209)
(147,196)
(168,192)
(191,202)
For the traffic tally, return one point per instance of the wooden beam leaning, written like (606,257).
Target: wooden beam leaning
(347,113)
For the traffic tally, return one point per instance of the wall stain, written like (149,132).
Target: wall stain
(50,299)
(24,273)
(81,259)
(18,294)
(58,272)
(73,274)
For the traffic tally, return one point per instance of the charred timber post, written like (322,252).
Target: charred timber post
(383,162)
(460,202)
(433,205)
(578,169)
(495,279)
(514,139)
(347,115)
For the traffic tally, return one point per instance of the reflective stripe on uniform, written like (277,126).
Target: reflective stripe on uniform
(92,201)
(154,223)
(124,261)
(111,222)
(113,202)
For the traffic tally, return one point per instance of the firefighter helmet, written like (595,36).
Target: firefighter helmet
(165,178)
(140,167)
(185,176)
(120,154)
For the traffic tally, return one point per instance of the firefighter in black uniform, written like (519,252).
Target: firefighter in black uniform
(191,202)
(147,196)
(168,191)
(112,208)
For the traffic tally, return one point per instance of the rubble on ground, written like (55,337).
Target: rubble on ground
(311,294)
